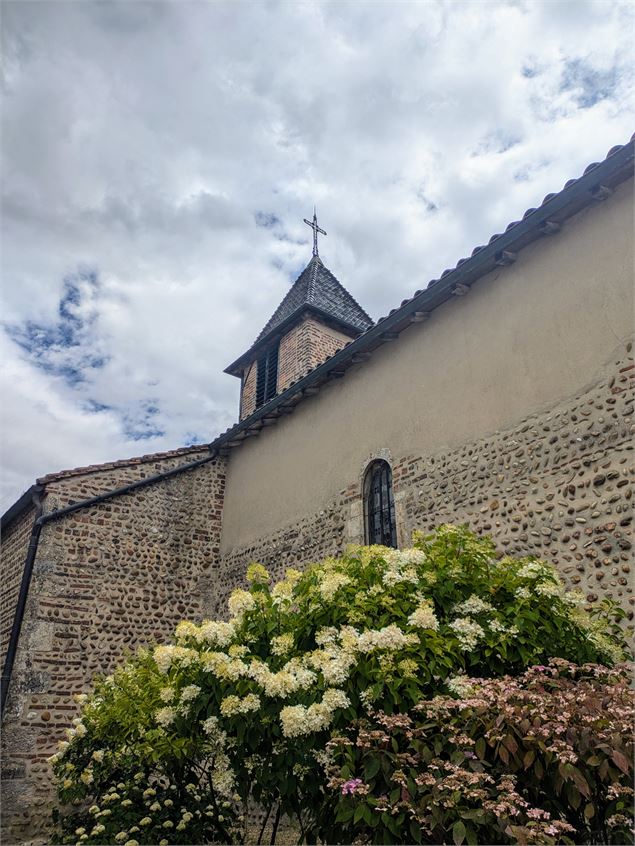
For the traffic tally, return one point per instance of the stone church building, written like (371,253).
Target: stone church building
(498,395)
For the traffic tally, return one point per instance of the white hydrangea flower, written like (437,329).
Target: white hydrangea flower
(167,694)
(216,633)
(190,692)
(330,582)
(532,570)
(468,632)
(522,593)
(548,589)
(473,605)
(282,644)
(297,720)
(460,686)
(423,617)
(186,629)
(165,656)
(164,716)
(334,664)
(223,777)
(326,636)
(240,602)
(210,725)
(390,638)
(231,705)
(223,666)
(87,776)
(282,593)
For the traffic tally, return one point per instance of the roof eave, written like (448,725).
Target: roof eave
(575,196)
(20,506)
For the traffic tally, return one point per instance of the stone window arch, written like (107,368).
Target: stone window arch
(379,505)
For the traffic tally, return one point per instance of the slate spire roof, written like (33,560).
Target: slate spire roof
(316,286)
(315,289)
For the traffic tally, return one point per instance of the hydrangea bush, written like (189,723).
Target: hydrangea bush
(546,757)
(173,746)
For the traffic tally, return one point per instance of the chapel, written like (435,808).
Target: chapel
(499,395)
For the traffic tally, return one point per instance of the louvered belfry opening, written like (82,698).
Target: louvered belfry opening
(267,384)
(379,505)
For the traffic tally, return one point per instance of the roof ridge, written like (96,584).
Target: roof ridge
(315,263)
(121,462)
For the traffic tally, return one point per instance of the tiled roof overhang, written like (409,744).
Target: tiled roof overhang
(595,185)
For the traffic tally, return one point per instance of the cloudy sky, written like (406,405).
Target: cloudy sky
(158,159)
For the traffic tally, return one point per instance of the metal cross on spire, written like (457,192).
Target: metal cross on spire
(314,226)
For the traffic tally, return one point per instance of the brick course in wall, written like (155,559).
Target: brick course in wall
(248,395)
(308,344)
(15,542)
(106,579)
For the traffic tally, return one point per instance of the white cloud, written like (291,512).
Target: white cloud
(142,140)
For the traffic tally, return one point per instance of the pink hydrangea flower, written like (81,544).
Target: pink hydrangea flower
(350,786)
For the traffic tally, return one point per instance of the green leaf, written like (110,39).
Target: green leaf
(589,811)
(573,796)
(359,813)
(458,833)
(415,831)
(372,767)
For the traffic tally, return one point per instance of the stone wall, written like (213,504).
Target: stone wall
(106,579)
(15,542)
(558,485)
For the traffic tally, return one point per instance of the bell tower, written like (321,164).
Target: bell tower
(316,318)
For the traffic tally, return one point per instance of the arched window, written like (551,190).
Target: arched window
(379,505)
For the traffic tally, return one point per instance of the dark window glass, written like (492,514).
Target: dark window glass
(379,505)
(267,381)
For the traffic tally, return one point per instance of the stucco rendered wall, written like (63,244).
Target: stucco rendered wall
(525,338)
(559,485)
(15,542)
(106,579)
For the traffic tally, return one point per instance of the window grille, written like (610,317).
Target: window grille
(379,505)
(267,381)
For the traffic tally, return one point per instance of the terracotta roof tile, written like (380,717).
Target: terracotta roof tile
(124,462)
